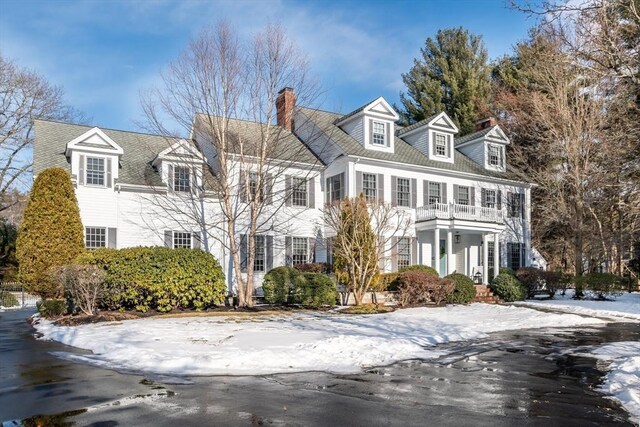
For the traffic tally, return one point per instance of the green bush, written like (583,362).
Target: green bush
(533,280)
(277,285)
(557,281)
(159,278)
(314,290)
(603,284)
(7,299)
(52,307)
(311,267)
(51,233)
(387,282)
(507,287)
(286,285)
(419,267)
(464,291)
(507,270)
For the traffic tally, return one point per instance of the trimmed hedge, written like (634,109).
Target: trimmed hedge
(507,287)
(420,267)
(464,291)
(286,285)
(158,278)
(389,281)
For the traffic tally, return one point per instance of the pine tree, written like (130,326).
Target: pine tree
(452,76)
(51,233)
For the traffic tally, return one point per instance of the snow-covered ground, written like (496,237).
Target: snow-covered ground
(626,306)
(291,343)
(622,383)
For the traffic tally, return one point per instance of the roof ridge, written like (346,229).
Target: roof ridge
(107,128)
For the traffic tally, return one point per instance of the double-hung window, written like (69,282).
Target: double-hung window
(515,205)
(378,136)
(336,188)
(369,186)
(516,255)
(434,193)
(299,193)
(181,240)
(299,250)
(182,179)
(463,195)
(254,191)
(403,192)
(404,252)
(441,145)
(95,171)
(495,155)
(490,199)
(95,237)
(260,259)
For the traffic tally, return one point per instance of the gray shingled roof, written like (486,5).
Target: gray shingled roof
(416,125)
(288,147)
(140,149)
(404,152)
(474,135)
(354,112)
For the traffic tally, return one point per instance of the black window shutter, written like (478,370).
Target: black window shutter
(370,131)
(499,199)
(81,173)
(394,254)
(443,192)
(196,240)
(168,238)
(358,183)
(288,251)
(311,244)
(327,191)
(414,185)
(268,189)
(269,252)
(483,198)
(472,196)
(112,236)
(380,188)
(311,193)
(414,251)
(109,173)
(170,176)
(394,190)
(425,192)
(522,206)
(456,193)
(343,190)
(243,253)
(242,188)
(509,255)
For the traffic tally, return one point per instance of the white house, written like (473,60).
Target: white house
(469,213)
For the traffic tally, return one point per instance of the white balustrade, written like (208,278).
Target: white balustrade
(456,211)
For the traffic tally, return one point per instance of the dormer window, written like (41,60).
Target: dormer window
(378,135)
(496,157)
(441,145)
(182,179)
(95,171)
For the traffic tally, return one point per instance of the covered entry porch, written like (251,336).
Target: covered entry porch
(464,246)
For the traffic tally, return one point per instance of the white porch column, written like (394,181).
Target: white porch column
(496,254)
(435,251)
(450,265)
(485,259)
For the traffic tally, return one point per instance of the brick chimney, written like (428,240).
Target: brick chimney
(285,103)
(486,123)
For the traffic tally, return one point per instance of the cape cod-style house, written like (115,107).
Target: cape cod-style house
(470,213)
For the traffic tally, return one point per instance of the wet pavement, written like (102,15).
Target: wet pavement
(516,378)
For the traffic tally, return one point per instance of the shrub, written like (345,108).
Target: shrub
(83,283)
(603,284)
(419,267)
(311,267)
(286,285)
(557,281)
(51,233)
(387,282)
(419,287)
(7,299)
(506,270)
(277,285)
(159,278)
(508,288)
(314,290)
(464,289)
(532,279)
(52,307)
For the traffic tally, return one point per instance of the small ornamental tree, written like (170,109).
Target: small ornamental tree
(51,233)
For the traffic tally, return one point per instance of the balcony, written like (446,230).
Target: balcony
(455,211)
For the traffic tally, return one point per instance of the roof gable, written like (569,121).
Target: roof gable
(94,140)
(180,151)
(378,107)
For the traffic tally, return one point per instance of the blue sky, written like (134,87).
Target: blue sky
(105,52)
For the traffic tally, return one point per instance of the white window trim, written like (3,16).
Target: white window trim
(446,143)
(367,122)
(374,133)
(191,176)
(106,237)
(105,173)
(501,157)
(173,238)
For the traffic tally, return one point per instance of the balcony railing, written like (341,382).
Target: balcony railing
(455,211)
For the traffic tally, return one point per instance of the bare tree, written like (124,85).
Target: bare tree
(224,92)
(365,233)
(24,96)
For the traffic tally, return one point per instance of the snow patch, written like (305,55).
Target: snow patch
(625,307)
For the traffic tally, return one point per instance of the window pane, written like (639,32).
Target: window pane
(403,192)
(434,192)
(95,237)
(336,188)
(463,195)
(259,262)
(495,155)
(404,252)
(490,198)
(369,186)
(299,251)
(441,144)
(378,136)
(299,193)
(514,257)
(181,240)
(253,187)
(95,171)
(181,178)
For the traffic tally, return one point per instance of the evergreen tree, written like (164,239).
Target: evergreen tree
(452,76)
(51,233)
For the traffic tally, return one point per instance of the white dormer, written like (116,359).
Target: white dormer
(433,136)
(373,125)
(486,146)
(94,159)
(181,167)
